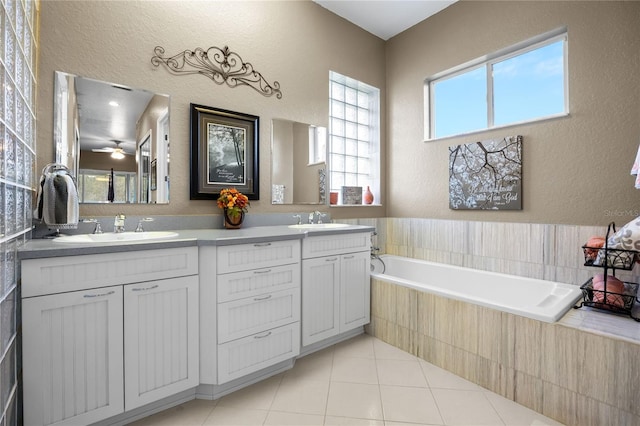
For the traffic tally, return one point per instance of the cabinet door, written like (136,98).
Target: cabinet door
(320,298)
(354,290)
(72,357)
(160,339)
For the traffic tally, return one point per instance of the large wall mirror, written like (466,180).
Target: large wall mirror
(298,163)
(110,134)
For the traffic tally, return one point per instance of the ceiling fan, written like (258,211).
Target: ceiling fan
(117,152)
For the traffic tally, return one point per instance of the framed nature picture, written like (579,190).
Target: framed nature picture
(224,152)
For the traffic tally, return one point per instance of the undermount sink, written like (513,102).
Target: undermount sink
(112,237)
(318,225)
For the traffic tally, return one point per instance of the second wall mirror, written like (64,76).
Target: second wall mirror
(298,163)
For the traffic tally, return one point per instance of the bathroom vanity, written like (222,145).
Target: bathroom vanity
(114,332)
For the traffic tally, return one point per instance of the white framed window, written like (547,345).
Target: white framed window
(354,135)
(523,83)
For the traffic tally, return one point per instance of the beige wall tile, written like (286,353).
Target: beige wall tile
(406,307)
(527,353)
(496,377)
(563,358)
(528,391)
(495,336)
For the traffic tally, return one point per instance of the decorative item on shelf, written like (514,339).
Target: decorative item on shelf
(234,205)
(367,197)
(333,197)
(604,291)
(352,195)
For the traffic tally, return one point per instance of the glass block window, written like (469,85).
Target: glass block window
(18,50)
(354,134)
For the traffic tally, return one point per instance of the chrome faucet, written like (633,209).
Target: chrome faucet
(118,224)
(297,216)
(312,216)
(144,219)
(97,229)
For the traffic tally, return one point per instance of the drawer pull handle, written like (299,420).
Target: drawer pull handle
(99,294)
(349,257)
(262,245)
(262,336)
(333,259)
(145,288)
(265,271)
(262,298)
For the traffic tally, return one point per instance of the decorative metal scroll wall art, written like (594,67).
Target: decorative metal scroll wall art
(220,65)
(486,175)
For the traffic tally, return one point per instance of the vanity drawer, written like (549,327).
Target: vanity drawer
(336,244)
(70,273)
(240,318)
(238,285)
(242,257)
(247,355)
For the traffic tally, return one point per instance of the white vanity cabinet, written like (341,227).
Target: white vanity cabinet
(335,285)
(105,333)
(160,339)
(72,356)
(258,306)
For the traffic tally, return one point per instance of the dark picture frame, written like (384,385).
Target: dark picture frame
(224,152)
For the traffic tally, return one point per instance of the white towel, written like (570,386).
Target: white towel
(57,203)
(636,168)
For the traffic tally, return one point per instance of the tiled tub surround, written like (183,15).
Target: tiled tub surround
(582,370)
(574,371)
(571,375)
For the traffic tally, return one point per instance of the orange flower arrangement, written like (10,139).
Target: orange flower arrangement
(233,201)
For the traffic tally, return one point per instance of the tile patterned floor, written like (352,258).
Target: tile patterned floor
(363,381)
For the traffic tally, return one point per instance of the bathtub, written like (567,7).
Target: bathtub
(529,297)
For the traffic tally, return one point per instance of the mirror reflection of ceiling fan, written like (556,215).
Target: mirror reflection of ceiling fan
(117,152)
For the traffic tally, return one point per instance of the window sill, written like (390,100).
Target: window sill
(355,205)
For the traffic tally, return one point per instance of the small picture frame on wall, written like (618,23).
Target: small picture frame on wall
(351,195)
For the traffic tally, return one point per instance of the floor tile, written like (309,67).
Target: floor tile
(354,370)
(407,404)
(400,373)
(354,400)
(257,396)
(443,379)
(360,346)
(350,421)
(463,407)
(316,366)
(383,350)
(301,396)
(514,414)
(231,416)
(194,412)
(294,419)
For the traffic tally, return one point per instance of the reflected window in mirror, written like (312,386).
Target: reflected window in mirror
(317,144)
(100,125)
(354,138)
(93,186)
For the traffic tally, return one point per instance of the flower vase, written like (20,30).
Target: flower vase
(233,221)
(368,196)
